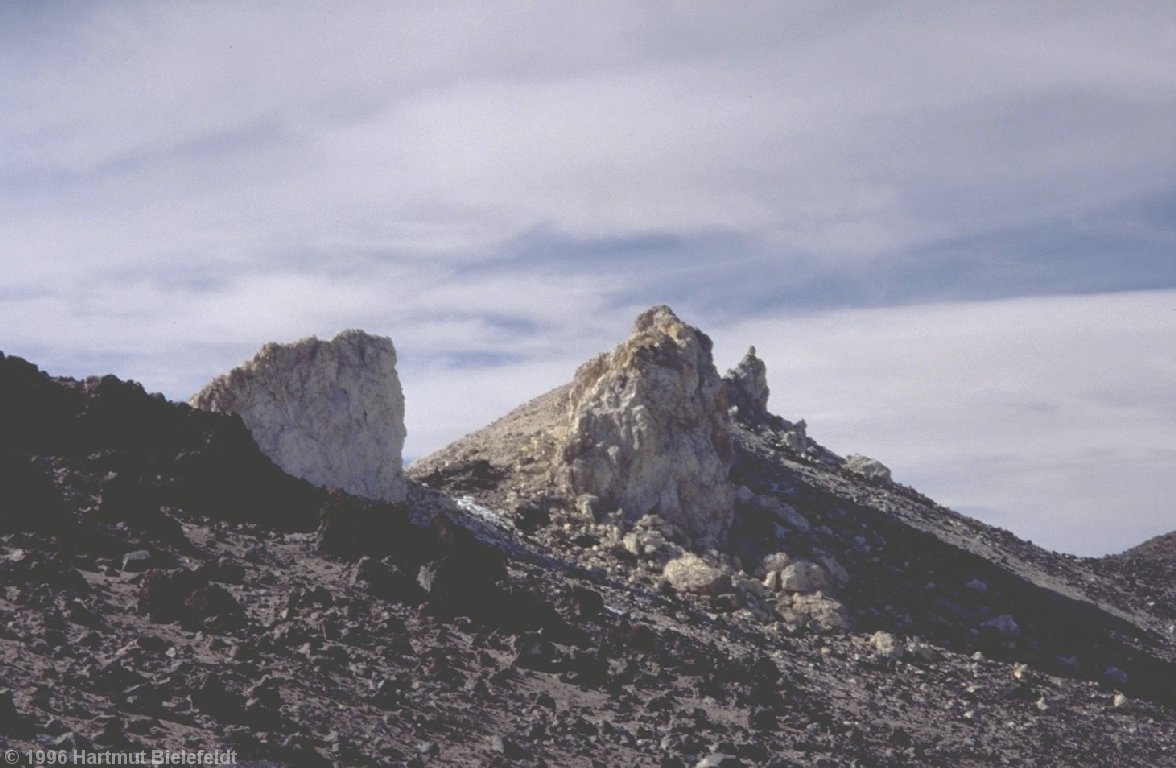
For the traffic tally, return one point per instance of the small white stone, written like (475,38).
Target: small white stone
(885,645)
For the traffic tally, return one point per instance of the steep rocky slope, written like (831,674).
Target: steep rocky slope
(917,568)
(164,585)
(814,540)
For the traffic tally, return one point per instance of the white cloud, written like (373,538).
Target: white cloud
(849,132)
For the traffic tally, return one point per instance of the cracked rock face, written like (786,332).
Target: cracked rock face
(649,430)
(331,412)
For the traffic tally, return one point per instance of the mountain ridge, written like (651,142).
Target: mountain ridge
(769,446)
(165,584)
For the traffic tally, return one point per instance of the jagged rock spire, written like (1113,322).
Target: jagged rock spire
(747,385)
(649,431)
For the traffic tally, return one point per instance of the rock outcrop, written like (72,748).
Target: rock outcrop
(871,469)
(649,429)
(747,385)
(331,412)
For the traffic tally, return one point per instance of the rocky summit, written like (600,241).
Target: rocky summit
(648,430)
(643,567)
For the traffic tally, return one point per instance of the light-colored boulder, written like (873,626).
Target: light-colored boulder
(886,645)
(690,573)
(331,412)
(777,561)
(786,574)
(805,577)
(815,613)
(871,469)
(649,430)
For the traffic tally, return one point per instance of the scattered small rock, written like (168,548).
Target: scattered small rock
(508,748)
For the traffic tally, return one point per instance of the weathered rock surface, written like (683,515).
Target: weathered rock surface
(815,613)
(690,573)
(799,576)
(331,412)
(871,469)
(650,431)
(747,385)
(886,645)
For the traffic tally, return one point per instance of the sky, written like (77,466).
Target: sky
(948,228)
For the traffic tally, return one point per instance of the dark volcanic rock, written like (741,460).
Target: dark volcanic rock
(43,570)
(31,500)
(163,594)
(12,722)
(534,651)
(214,698)
(351,528)
(213,603)
(386,580)
(126,499)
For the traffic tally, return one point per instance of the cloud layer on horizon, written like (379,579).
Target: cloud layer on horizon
(501,188)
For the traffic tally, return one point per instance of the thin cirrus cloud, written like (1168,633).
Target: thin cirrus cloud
(500,188)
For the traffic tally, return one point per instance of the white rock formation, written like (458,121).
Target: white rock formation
(329,412)
(871,469)
(649,430)
(804,576)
